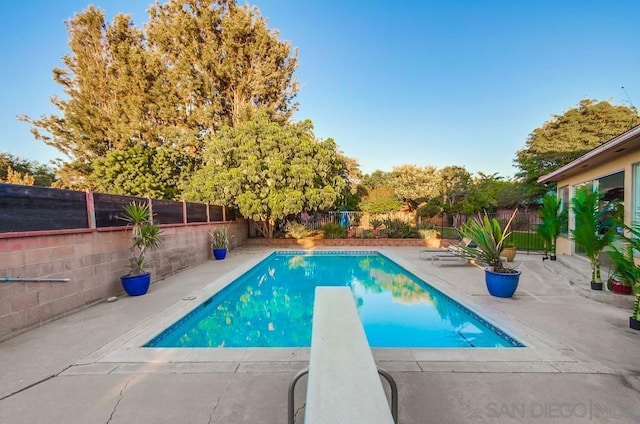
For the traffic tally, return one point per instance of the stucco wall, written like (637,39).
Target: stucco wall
(93,261)
(565,245)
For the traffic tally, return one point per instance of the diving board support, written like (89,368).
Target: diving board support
(343,384)
(291,415)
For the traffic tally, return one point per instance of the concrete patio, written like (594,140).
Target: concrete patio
(581,363)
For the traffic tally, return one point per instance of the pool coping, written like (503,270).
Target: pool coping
(539,354)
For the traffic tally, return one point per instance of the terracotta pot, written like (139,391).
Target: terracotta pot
(509,253)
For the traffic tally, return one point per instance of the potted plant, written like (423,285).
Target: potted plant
(487,242)
(219,242)
(589,234)
(627,271)
(375,225)
(145,235)
(553,219)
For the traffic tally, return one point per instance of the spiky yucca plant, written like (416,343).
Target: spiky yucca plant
(219,238)
(145,234)
(489,238)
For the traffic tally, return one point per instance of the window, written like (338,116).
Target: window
(612,187)
(563,194)
(635,200)
(589,186)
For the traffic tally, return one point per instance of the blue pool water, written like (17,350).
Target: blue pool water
(271,305)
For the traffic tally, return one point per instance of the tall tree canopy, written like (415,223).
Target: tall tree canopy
(269,170)
(460,193)
(377,179)
(415,185)
(353,191)
(454,186)
(483,193)
(17,170)
(156,173)
(196,67)
(381,200)
(566,137)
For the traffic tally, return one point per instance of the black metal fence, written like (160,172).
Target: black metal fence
(31,208)
(523,228)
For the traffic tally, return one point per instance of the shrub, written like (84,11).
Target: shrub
(425,226)
(333,231)
(295,230)
(367,234)
(428,234)
(396,228)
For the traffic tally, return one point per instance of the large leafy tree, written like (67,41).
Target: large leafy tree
(377,195)
(483,193)
(269,170)
(353,191)
(566,137)
(415,185)
(454,185)
(196,67)
(381,200)
(17,170)
(376,179)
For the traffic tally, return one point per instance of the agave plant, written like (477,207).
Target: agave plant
(553,221)
(489,238)
(588,233)
(145,234)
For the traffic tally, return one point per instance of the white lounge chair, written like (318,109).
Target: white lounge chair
(452,250)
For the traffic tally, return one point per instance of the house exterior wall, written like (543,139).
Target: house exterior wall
(93,261)
(564,244)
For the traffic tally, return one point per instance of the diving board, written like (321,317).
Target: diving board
(343,384)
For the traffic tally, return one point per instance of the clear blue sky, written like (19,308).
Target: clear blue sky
(407,82)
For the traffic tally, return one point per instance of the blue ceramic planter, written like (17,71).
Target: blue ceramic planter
(136,285)
(501,285)
(220,253)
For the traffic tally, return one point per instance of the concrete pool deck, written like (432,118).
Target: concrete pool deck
(581,363)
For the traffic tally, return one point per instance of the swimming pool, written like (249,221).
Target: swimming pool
(271,305)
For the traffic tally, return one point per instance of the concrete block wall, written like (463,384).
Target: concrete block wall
(308,243)
(93,261)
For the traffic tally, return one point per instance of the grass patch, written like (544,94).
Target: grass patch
(525,240)
(522,240)
(450,233)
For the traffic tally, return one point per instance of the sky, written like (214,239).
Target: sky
(419,82)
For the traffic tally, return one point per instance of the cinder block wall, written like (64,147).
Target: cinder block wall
(93,261)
